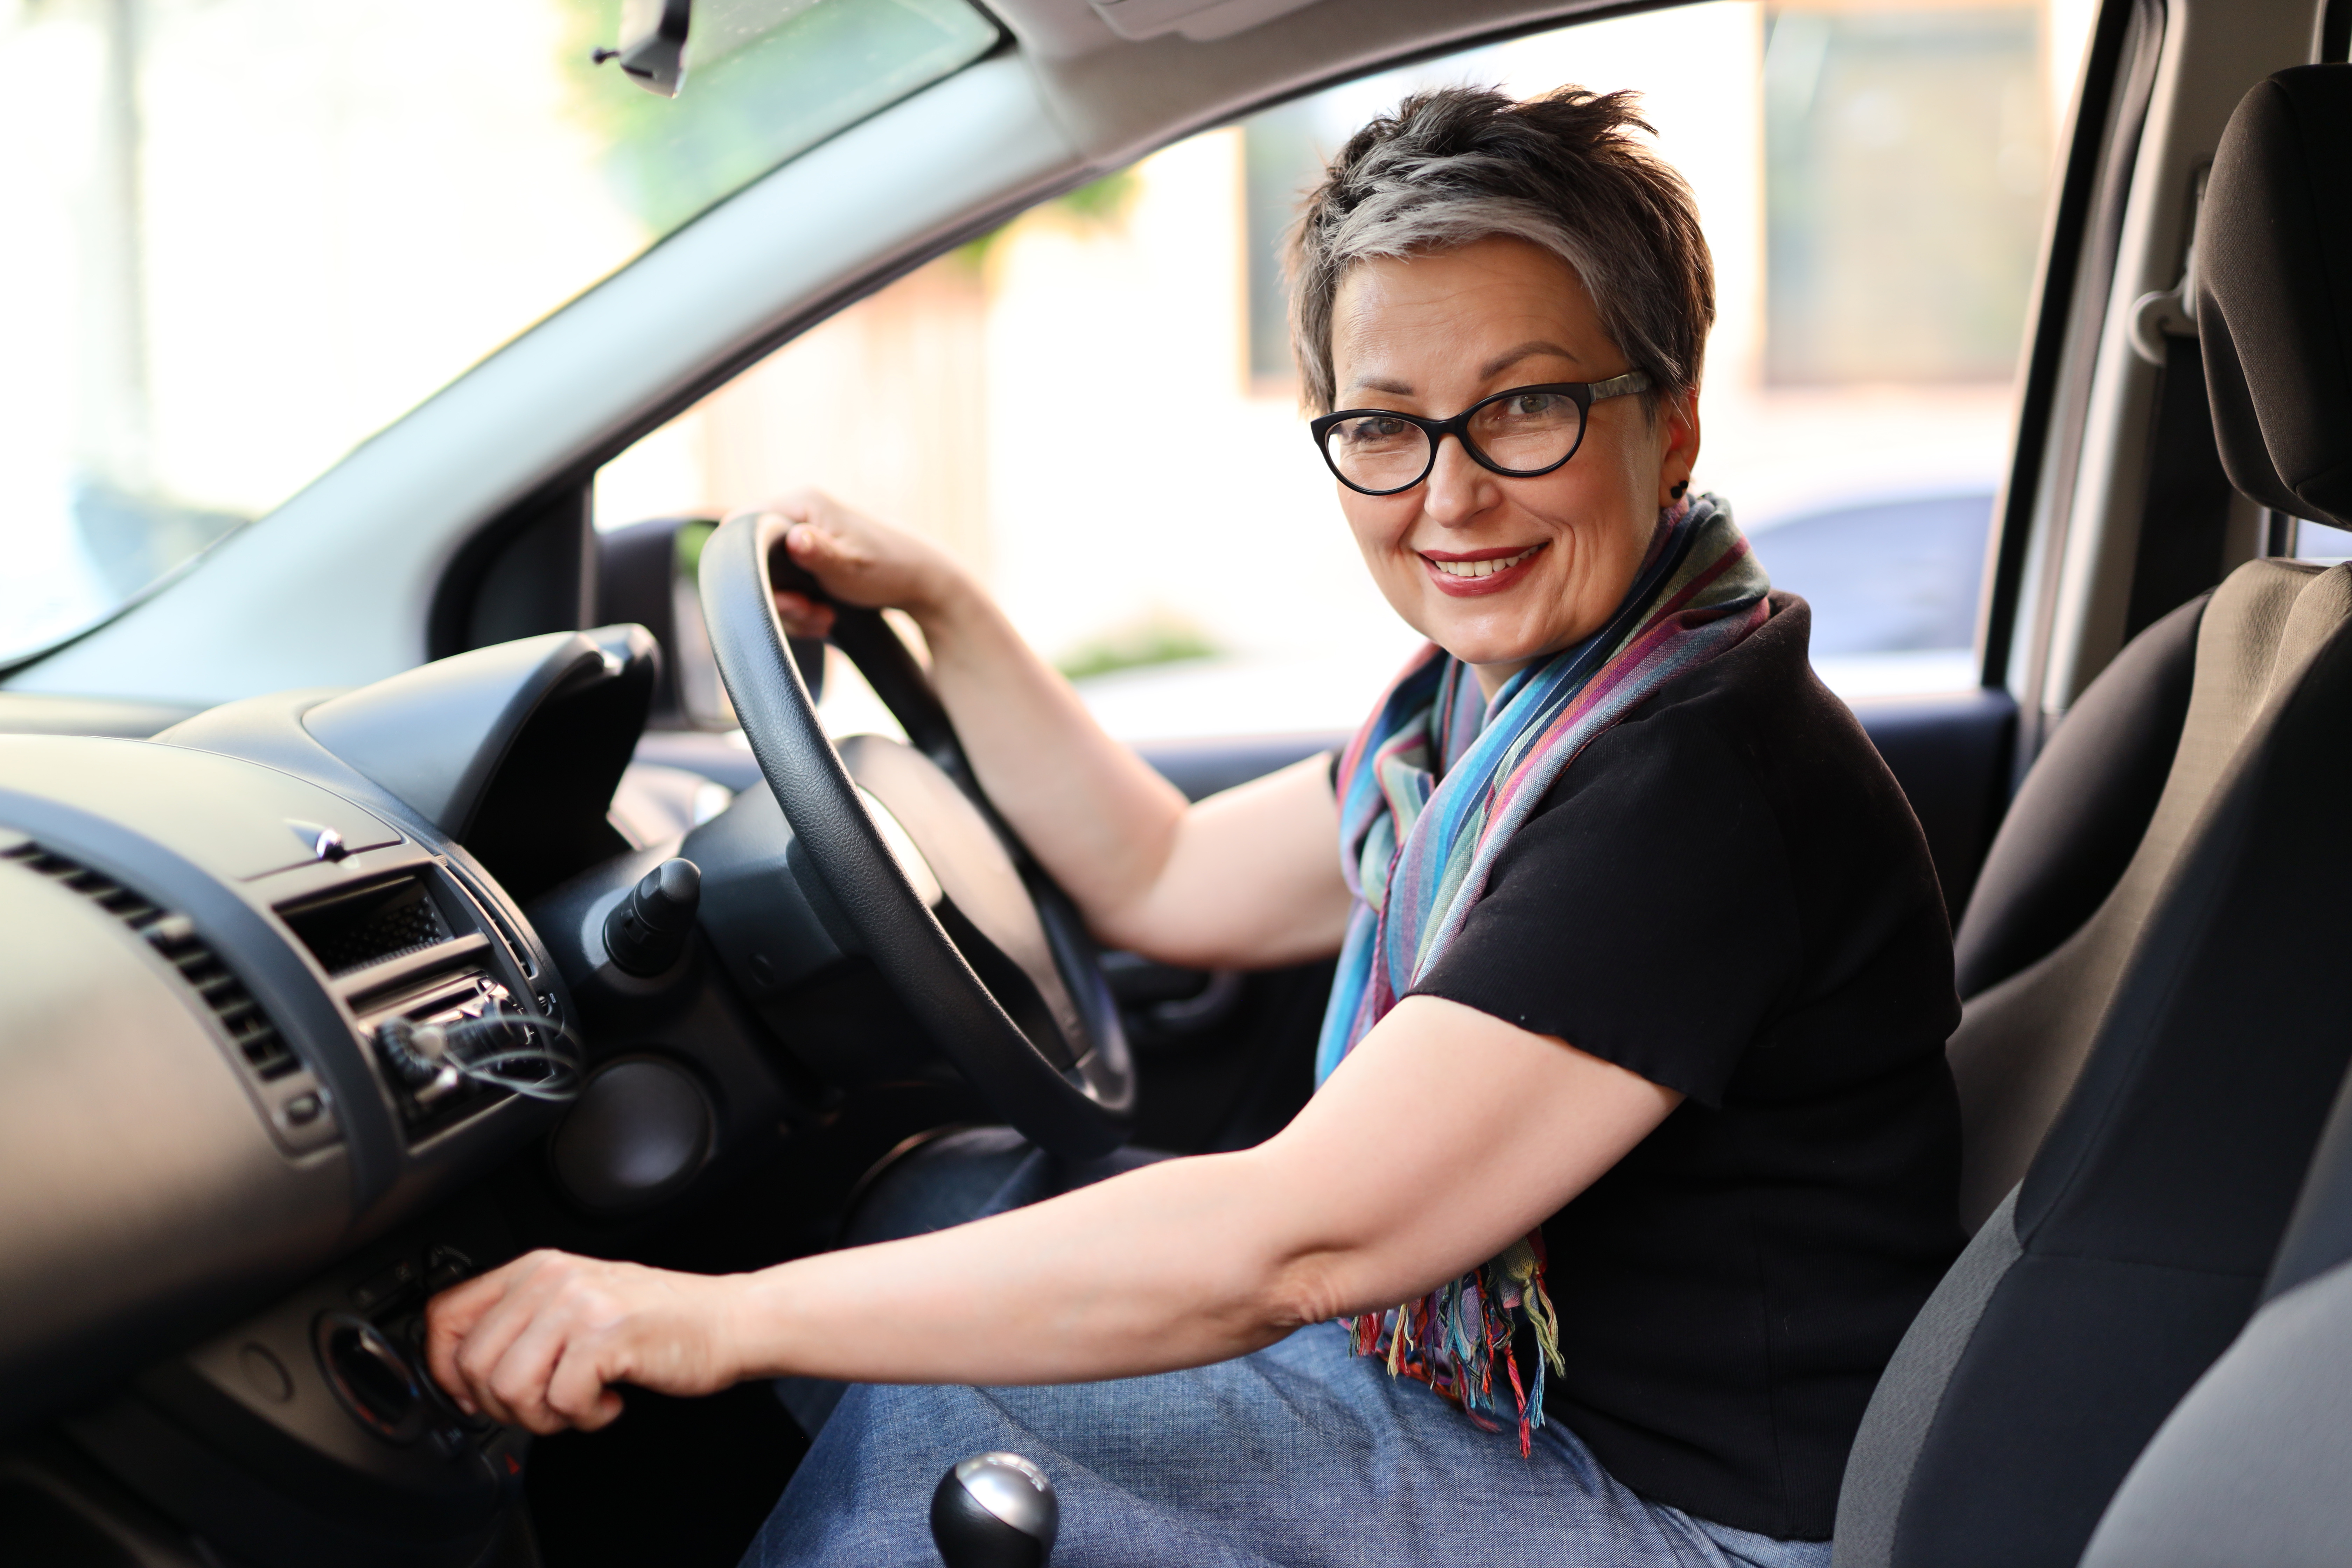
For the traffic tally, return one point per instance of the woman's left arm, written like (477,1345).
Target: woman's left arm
(1444,1136)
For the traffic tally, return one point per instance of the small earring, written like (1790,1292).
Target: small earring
(1679,488)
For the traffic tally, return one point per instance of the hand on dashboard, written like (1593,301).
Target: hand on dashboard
(859,561)
(539,1343)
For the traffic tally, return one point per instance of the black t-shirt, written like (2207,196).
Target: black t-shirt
(1728,894)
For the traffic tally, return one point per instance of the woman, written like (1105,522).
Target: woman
(1633,1151)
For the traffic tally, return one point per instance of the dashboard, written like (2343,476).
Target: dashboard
(225,1200)
(223,1211)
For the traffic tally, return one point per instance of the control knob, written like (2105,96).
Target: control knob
(647,931)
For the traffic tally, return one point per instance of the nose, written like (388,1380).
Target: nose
(1457,488)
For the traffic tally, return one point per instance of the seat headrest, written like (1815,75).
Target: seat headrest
(2275,293)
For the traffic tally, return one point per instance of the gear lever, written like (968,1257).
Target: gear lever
(994,1510)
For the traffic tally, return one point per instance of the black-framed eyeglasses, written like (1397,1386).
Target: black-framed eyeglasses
(1519,433)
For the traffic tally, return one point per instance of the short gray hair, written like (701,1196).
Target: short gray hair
(1563,172)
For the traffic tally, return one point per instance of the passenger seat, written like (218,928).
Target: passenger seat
(2201,1001)
(2256,1466)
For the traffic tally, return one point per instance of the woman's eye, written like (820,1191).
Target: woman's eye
(1375,432)
(1534,406)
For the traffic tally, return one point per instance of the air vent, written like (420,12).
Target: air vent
(174,936)
(368,925)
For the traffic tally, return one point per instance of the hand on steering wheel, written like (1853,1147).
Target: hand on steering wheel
(1065,1079)
(848,559)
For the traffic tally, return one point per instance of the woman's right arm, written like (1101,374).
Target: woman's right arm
(1248,879)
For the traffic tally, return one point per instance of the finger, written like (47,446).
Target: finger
(803,616)
(537,1280)
(520,1379)
(479,1371)
(809,545)
(450,1317)
(846,564)
(578,1390)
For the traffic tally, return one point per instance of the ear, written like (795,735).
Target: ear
(1678,421)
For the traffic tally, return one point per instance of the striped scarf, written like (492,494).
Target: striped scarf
(1431,790)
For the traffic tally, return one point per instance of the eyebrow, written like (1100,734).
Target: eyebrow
(1509,357)
(1487,372)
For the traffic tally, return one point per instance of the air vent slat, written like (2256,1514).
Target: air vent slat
(171,931)
(373,924)
(269,1055)
(174,936)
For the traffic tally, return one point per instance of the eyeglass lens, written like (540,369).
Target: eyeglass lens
(1526,433)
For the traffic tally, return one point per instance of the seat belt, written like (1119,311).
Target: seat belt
(2185,519)
(2184,523)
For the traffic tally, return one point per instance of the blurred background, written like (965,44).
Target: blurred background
(220,278)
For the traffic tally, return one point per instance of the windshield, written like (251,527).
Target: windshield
(244,235)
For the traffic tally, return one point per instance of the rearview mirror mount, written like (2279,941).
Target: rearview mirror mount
(652,48)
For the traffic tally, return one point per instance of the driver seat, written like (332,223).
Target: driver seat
(2201,999)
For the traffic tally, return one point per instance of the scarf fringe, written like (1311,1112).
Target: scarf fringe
(1450,1339)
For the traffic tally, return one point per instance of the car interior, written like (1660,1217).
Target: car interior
(414,757)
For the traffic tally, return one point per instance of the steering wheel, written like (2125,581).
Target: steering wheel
(988,954)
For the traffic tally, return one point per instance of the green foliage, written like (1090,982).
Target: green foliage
(1099,204)
(825,65)
(1102,203)
(690,540)
(1158,638)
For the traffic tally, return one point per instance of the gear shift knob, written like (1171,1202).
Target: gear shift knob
(994,1510)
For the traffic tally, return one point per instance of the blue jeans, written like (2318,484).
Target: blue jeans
(1301,1456)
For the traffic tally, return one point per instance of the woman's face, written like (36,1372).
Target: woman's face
(1431,336)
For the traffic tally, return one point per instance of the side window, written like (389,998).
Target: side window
(1871,178)
(1906,153)
(2317,542)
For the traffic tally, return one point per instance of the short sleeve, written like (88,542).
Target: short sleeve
(1644,913)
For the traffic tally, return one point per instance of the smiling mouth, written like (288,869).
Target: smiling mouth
(1486,568)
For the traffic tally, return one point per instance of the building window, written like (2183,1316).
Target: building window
(1905,155)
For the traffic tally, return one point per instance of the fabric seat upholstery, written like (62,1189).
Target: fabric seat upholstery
(2256,1466)
(2090,839)
(2078,818)
(2200,999)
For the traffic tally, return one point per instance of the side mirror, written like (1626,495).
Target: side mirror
(646,573)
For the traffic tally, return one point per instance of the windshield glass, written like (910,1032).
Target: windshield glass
(244,235)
